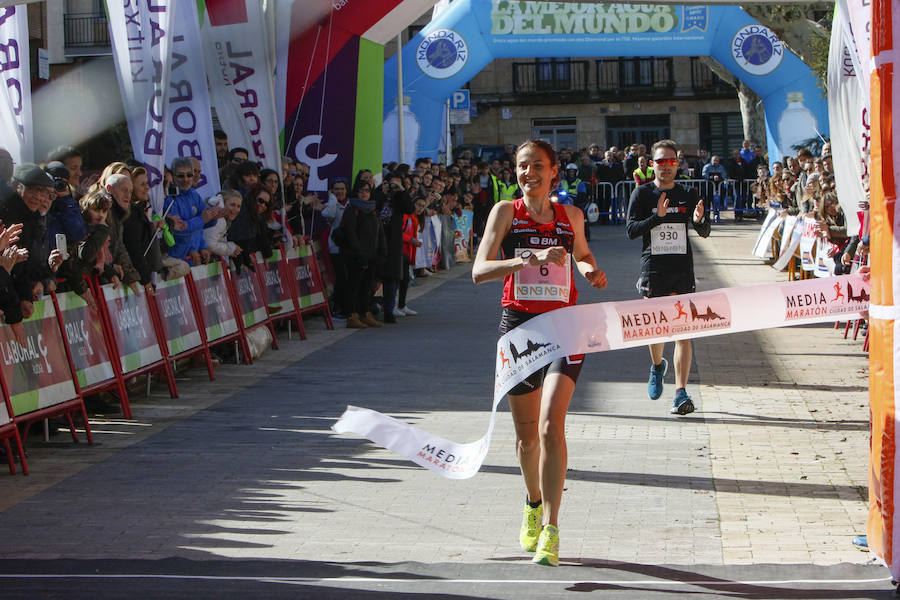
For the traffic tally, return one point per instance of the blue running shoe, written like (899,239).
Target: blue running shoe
(655,385)
(861,542)
(683,405)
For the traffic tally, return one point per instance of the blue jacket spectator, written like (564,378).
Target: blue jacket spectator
(714,169)
(65,213)
(190,208)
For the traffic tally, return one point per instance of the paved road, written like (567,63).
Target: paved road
(240,488)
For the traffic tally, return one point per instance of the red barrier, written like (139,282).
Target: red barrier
(326,269)
(181,321)
(309,290)
(89,348)
(37,372)
(134,333)
(210,289)
(279,291)
(247,289)
(8,430)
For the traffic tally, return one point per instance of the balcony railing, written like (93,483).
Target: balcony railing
(560,76)
(705,83)
(646,77)
(86,30)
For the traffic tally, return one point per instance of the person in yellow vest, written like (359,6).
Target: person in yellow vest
(644,173)
(507,186)
(572,190)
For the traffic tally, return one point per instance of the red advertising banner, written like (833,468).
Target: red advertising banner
(249,297)
(84,332)
(132,326)
(36,369)
(177,316)
(215,306)
(326,270)
(279,298)
(304,272)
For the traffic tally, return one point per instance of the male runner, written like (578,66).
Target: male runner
(659,213)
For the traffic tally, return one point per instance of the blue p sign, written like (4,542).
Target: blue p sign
(460,100)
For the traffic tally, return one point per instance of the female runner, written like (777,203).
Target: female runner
(540,241)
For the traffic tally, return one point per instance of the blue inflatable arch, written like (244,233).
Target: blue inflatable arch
(471,33)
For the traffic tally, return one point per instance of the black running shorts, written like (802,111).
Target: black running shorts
(570,366)
(654,285)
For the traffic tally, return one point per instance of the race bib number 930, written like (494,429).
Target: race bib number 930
(668,238)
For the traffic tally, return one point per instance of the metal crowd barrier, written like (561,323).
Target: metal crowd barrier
(729,194)
(605,198)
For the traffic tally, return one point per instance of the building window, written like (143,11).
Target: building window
(720,133)
(561,133)
(642,129)
(636,72)
(553,74)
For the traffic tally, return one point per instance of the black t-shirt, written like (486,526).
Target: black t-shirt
(672,252)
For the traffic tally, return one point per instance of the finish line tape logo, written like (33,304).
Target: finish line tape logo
(757,50)
(611,326)
(442,54)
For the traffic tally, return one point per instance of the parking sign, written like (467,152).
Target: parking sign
(460,100)
(459,107)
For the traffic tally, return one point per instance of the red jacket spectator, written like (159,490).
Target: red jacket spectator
(410,231)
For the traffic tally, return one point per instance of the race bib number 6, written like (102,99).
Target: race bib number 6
(550,282)
(668,238)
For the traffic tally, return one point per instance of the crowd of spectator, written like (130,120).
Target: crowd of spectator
(62,224)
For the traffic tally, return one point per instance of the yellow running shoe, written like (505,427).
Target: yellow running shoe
(548,547)
(531,527)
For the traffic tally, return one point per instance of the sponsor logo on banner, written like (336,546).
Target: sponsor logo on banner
(757,50)
(562,18)
(700,314)
(442,53)
(37,365)
(240,77)
(128,320)
(253,310)
(518,355)
(824,298)
(15,73)
(190,131)
(84,333)
(215,304)
(142,48)
(317,183)
(461,464)
(695,17)
(177,316)
(674,315)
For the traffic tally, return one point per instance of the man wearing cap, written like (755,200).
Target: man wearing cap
(65,214)
(34,187)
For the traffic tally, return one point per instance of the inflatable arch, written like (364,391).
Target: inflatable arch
(469,34)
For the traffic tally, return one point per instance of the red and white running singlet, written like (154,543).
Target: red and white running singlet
(546,287)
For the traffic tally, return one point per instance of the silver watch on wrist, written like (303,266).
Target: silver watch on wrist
(526,257)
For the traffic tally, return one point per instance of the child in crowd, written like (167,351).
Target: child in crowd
(93,250)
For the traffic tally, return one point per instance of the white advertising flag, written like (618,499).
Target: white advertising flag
(241,77)
(15,99)
(142,37)
(848,111)
(189,118)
